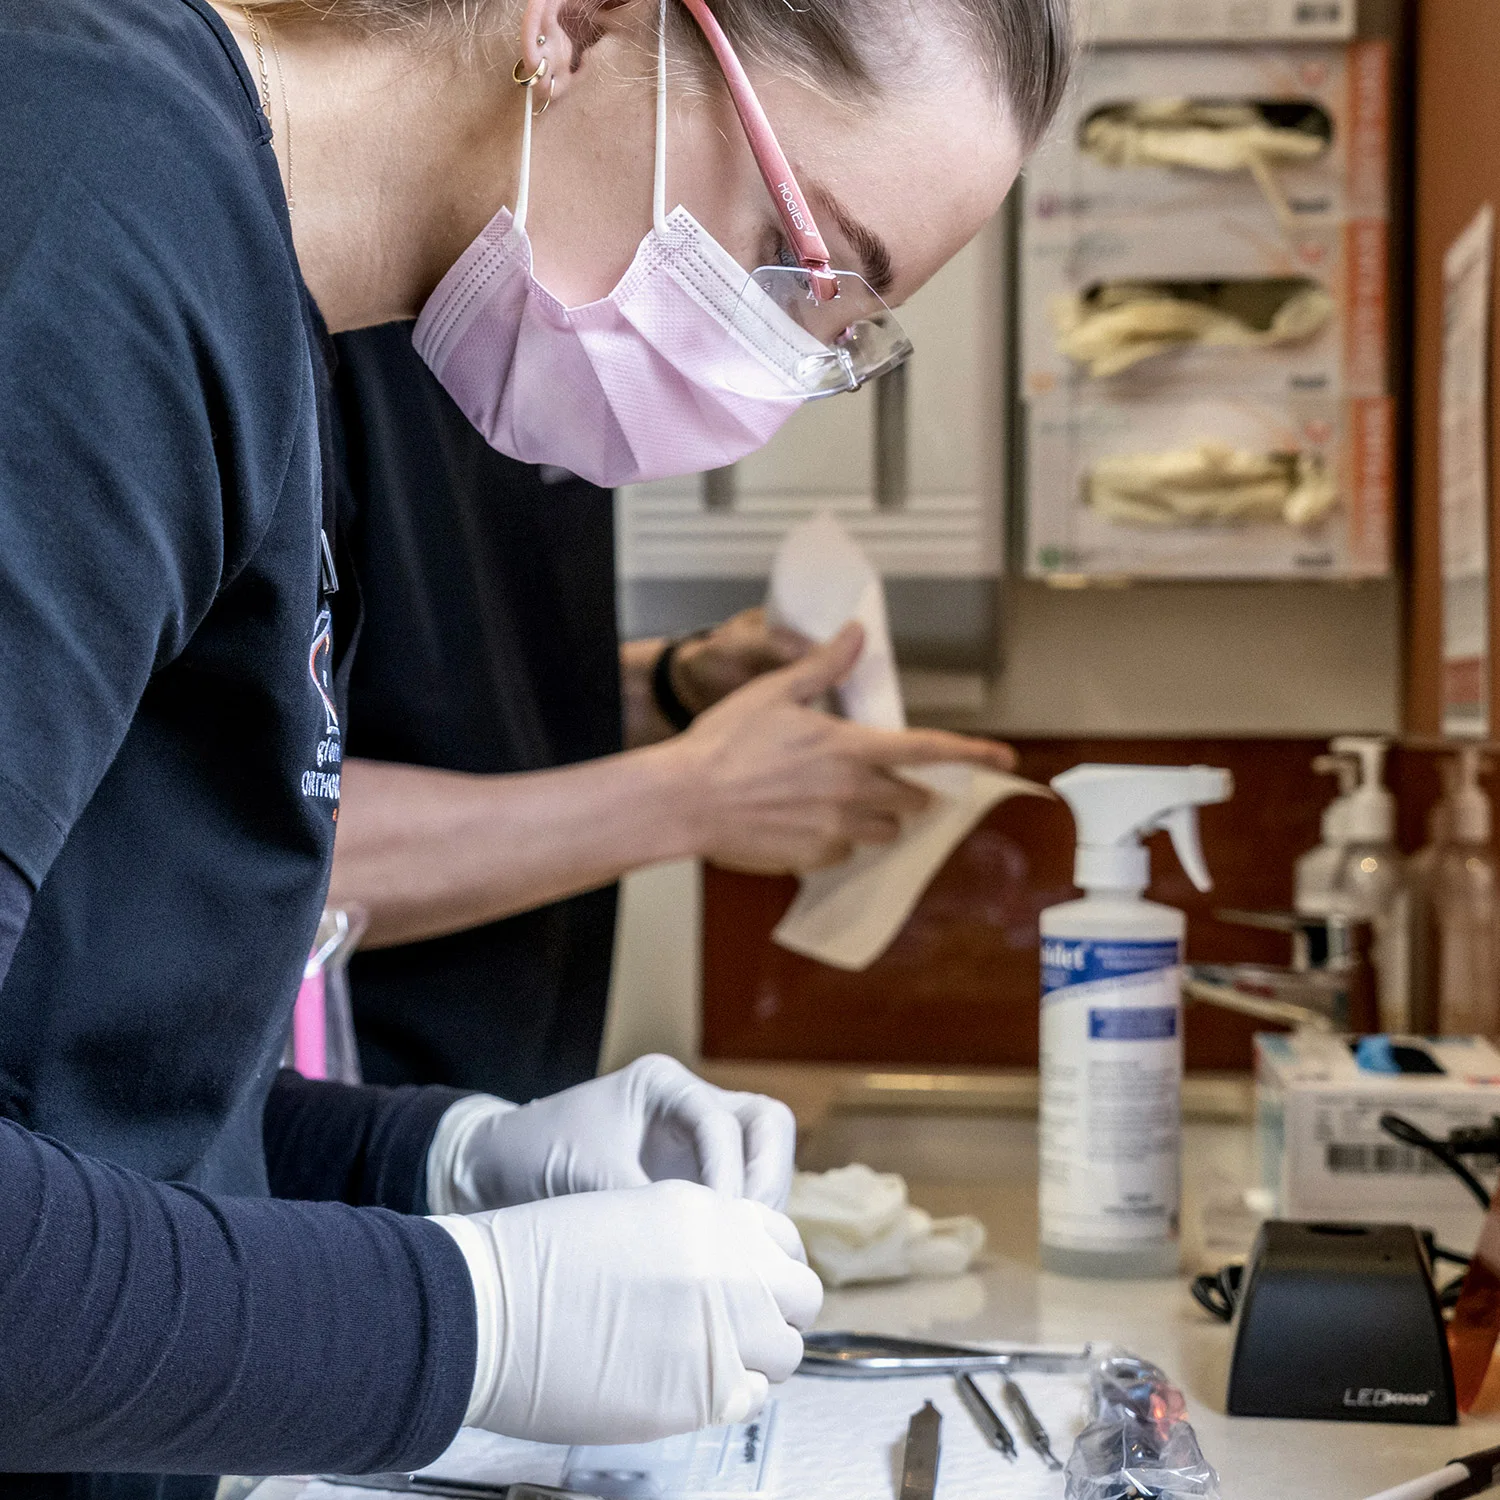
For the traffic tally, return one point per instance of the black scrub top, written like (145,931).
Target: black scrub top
(489,645)
(168,645)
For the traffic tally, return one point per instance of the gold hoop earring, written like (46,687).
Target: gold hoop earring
(551,84)
(541,72)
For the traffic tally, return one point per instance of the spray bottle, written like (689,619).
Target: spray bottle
(1112,1025)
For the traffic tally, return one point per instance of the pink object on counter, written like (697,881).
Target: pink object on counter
(310,1027)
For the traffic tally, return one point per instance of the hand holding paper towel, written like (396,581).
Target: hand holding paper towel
(849,915)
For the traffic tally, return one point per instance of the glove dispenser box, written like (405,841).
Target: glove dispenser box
(1204,316)
(1340,1322)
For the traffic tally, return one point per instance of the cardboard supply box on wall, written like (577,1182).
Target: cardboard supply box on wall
(1230,260)
(1339,451)
(1339,93)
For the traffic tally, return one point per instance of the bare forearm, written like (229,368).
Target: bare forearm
(429,852)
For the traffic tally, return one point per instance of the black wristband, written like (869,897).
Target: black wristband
(668,704)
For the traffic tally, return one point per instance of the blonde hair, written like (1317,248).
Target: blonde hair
(1026,45)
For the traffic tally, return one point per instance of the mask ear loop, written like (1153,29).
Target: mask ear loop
(523,182)
(659,181)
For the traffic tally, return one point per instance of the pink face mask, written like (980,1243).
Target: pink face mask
(690,363)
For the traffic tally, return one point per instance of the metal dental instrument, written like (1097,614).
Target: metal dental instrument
(1031,1427)
(919,1462)
(460,1489)
(985,1416)
(878,1354)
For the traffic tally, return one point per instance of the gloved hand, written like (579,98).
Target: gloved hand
(620,1317)
(650,1121)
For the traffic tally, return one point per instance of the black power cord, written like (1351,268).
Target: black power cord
(1450,1152)
(1218,1292)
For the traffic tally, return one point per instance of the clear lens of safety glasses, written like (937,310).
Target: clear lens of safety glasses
(859,333)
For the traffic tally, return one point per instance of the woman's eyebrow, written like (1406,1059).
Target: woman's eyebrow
(874,256)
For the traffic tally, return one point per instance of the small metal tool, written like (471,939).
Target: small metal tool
(919,1463)
(835,1352)
(460,1489)
(1031,1427)
(985,1416)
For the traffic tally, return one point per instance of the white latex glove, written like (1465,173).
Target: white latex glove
(621,1317)
(648,1122)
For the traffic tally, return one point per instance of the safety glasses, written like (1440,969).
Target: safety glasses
(860,336)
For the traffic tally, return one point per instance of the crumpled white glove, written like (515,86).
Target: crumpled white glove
(621,1317)
(650,1121)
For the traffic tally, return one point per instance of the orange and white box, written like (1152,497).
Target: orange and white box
(1066,437)
(1347,85)
(1347,355)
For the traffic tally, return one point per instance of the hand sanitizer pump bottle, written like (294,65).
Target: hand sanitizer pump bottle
(1371,882)
(1111,1029)
(1317,871)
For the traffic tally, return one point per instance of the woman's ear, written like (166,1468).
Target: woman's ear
(562,31)
(544,48)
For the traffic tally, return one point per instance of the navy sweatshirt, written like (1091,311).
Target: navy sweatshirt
(170,738)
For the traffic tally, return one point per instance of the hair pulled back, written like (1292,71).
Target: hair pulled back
(1026,45)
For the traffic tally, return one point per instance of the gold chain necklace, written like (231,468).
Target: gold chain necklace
(265,93)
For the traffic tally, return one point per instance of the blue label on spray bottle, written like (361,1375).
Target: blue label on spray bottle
(1112,1069)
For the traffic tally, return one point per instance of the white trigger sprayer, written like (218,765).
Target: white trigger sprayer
(1111,1026)
(1114,807)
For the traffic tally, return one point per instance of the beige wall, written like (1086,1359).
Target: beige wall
(1199,659)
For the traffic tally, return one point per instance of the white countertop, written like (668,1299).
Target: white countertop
(986,1165)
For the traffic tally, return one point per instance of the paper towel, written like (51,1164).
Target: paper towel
(858,1225)
(820,580)
(849,914)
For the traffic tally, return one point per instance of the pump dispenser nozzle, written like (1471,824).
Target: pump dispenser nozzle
(1370,809)
(1114,807)
(1470,805)
(1344,767)
(1336,814)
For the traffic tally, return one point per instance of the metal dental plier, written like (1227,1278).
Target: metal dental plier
(866,1355)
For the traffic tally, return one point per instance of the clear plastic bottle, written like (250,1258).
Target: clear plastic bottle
(1464,910)
(1422,946)
(1111,1027)
(1371,883)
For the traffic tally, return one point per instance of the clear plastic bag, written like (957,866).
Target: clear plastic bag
(1138,1442)
(322,1042)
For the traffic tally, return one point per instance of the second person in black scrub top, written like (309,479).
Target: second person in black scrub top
(489,649)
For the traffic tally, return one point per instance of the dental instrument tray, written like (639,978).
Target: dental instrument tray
(867,1355)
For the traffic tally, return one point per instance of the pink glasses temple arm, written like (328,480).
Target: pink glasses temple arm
(796,216)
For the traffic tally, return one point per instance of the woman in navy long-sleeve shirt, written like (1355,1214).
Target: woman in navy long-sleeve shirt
(176,619)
